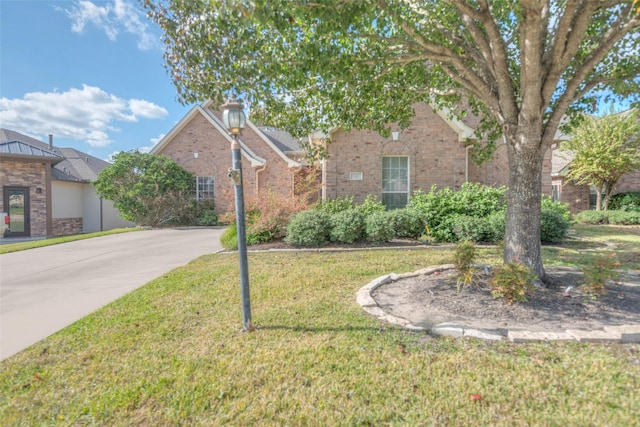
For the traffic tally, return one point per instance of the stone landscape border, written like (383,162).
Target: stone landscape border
(608,334)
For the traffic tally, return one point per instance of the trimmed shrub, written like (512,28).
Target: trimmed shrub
(204,213)
(309,228)
(548,204)
(332,206)
(439,208)
(623,217)
(370,205)
(471,228)
(229,238)
(406,223)
(553,225)
(378,227)
(347,226)
(629,201)
(592,217)
(496,224)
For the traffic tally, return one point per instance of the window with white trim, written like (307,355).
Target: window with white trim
(395,181)
(204,188)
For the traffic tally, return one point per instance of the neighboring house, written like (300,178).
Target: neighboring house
(47,190)
(431,152)
(200,143)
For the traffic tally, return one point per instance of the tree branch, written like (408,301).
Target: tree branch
(615,33)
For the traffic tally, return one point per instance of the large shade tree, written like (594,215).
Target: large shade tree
(519,65)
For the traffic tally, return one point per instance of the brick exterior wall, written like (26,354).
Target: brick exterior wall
(214,159)
(17,173)
(67,226)
(578,195)
(436,157)
(629,182)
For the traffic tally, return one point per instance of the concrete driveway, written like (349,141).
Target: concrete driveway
(45,289)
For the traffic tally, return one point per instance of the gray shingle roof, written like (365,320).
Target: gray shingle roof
(282,139)
(78,166)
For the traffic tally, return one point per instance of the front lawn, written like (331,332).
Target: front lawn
(173,353)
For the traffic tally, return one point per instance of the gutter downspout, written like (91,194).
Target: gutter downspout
(258,170)
(466,163)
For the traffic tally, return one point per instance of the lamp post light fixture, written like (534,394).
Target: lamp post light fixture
(235,120)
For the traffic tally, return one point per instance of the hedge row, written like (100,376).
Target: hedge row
(475,213)
(609,217)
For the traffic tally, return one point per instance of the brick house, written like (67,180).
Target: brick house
(200,143)
(582,197)
(47,190)
(432,151)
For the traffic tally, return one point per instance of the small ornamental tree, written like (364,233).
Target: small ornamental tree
(604,149)
(141,184)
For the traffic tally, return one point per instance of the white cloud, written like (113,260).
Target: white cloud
(85,114)
(146,109)
(116,17)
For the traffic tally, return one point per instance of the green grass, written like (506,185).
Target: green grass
(22,246)
(592,241)
(173,353)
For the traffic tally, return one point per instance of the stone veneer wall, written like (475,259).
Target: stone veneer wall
(17,173)
(67,226)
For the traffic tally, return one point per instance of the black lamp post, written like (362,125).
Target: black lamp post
(234,120)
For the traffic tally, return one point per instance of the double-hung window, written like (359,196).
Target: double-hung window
(204,188)
(395,181)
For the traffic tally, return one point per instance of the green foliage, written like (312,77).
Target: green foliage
(623,217)
(370,205)
(378,227)
(604,149)
(406,223)
(609,217)
(629,201)
(147,189)
(472,228)
(548,204)
(203,213)
(553,226)
(440,208)
(592,217)
(347,226)
(512,281)
(598,273)
(229,238)
(338,204)
(309,228)
(365,64)
(463,259)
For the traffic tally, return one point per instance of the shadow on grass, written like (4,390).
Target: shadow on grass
(299,328)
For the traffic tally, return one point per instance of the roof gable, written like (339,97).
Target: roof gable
(245,151)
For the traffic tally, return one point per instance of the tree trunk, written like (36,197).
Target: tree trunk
(599,189)
(522,234)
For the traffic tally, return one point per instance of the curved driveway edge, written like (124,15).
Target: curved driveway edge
(43,290)
(611,334)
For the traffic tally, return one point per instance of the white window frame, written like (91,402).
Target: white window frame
(408,180)
(206,191)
